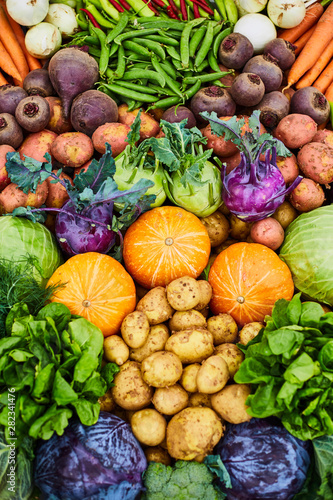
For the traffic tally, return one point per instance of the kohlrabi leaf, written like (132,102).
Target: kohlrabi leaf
(134,135)
(30,213)
(162,151)
(97,172)
(27,173)
(109,192)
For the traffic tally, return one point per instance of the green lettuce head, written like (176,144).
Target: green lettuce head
(20,237)
(308,252)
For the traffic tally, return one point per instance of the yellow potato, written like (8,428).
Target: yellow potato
(206,292)
(239,230)
(170,400)
(193,433)
(115,350)
(227,243)
(183,293)
(148,426)
(156,340)
(199,399)
(230,403)
(161,369)
(223,327)
(106,402)
(135,328)
(183,320)
(155,305)
(189,377)
(157,454)
(191,346)
(218,228)
(232,355)
(212,375)
(285,214)
(130,391)
(249,331)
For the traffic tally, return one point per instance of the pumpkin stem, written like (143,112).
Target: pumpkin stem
(240,299)
(86,303)
(168,241)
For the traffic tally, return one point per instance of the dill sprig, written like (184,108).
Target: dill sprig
(18,284)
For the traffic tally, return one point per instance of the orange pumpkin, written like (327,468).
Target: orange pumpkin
(98,288)
(165,243)
(247,279)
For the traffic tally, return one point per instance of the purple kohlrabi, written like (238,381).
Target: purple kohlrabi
(253,192)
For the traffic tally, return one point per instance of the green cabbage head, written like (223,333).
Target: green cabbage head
(308,252)
(20,237)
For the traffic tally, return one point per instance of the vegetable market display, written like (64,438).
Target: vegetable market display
(166,323)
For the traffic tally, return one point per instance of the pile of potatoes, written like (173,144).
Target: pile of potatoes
(175,384)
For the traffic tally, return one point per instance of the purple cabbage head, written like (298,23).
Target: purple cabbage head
(254,191)
(97,462)
(79,234)
(264,461)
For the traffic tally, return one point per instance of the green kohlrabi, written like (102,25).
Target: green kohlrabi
(134,163)
(192,182)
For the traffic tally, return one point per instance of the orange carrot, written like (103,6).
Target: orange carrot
(325,79)
(329,93)
(3,80)
(301,42)
(314,47)
(33,63)
(12,46)
(7,64)
(312,15)
(313,73)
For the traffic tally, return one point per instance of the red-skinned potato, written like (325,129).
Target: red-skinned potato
(288,168)
(325,136)
(231,161)
(37,144)
(12,197)
(268,232)
(72,149)
(149,126)
(4,179)
(113,133)
(220,146)
(307,196)
(83,168)
(57,194)
(57,122)
(295,130)
(316,162)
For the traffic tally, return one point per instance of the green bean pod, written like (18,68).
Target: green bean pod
(205,46)
(130,94)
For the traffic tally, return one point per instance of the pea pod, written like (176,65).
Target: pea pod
(185,40)
(173,53)
(212,61)
(119,28)
(134,34)
(168,80)
(205,46)
(153,47)
(130,94)
(121,65)
(136,74)
(165,40)
(209,77)
(169,69)
(148,23)
(193,90)
(196,39)
(218,40)
(167,102)
(135,47)
(105,50)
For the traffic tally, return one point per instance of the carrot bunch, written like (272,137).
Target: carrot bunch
(313,38)
(15,60)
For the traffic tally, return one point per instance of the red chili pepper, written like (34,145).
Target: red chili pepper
(116,5)
(91,18)
(174,7)
(196,10)
(202,6)
(183,10)
(171,13)
(152,8)
(160,3)
(125,4)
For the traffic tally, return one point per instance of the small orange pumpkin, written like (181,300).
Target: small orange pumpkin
(98,288)
(165,243)
(247,279)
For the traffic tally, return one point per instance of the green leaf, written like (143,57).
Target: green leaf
(108,372)
(94,387)
(87,412)
(301,370)
(18,310)
(325,357)
(263,402)
(29,409)
(217,467)
(54,420)
(162,151)
(252,371)
(44,381)
(62,392)
(60,314)
(283,340)
(19,355)
(8,343)
(85,366)
(311,314)
(280,314)
(323,452)
(294,309)
(134,134)
(97,173)
(28,173)
(33,214)
(88,336)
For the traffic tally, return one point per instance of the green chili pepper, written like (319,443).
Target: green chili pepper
(102,21)
(81,21)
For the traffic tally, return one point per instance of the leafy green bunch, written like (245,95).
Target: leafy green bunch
(290,368)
